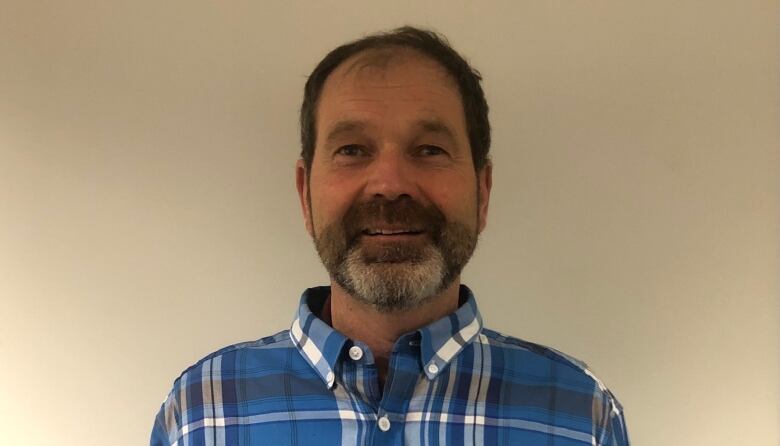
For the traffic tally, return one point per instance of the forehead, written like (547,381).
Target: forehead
(375,62)
(391,83)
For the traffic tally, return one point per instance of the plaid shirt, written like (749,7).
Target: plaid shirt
(452,382)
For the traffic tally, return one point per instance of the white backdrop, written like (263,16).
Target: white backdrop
(148,213)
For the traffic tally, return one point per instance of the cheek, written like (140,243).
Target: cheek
(330,200)
(456,198)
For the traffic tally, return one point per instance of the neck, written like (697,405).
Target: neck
(379,331)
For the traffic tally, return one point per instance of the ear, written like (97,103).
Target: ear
(302,183)
(485,183)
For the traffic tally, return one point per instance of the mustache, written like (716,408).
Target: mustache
(403,211)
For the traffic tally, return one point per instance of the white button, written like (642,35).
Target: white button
(384,424)
(433,369)
(355,352)
(329,378)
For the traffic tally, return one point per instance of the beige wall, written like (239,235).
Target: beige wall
(148,213)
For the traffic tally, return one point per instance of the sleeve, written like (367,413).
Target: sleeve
(166,423)
(614,432)
(159,435)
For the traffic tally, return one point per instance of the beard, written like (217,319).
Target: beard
(396,275)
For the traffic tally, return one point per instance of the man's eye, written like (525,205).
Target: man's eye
(429,150)
(351,150)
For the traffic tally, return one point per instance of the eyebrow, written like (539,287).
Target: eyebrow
(344,127)
(425,125)
(437,127)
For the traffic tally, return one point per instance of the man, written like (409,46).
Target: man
(394,184)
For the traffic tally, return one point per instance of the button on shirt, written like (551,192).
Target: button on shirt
(452,382)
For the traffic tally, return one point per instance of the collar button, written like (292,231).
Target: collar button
(355,353)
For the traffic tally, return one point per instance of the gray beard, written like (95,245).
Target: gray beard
(391,287)
(403,283)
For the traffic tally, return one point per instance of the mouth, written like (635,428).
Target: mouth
(392,235)
(391,232)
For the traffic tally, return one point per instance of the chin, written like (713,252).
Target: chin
(393,286)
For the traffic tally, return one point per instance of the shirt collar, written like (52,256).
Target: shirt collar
(440,341)
(443,339)
(320,344)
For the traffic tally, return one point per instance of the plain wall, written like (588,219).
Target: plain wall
(148,213)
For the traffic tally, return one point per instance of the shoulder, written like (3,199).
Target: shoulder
(531,368)
(536,359)
(194,388)
(541,351)
(260,352)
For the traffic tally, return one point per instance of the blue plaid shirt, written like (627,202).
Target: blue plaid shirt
(452,382)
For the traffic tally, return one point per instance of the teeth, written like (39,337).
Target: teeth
(389,231)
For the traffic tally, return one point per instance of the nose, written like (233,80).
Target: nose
(390,176)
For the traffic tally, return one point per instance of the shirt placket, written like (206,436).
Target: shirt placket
(402,375)
(388,409)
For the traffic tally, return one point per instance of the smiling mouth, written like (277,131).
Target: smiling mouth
(391,232)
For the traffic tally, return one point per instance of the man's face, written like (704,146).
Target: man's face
(392,199)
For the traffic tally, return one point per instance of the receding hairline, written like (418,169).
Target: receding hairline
(382,58)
